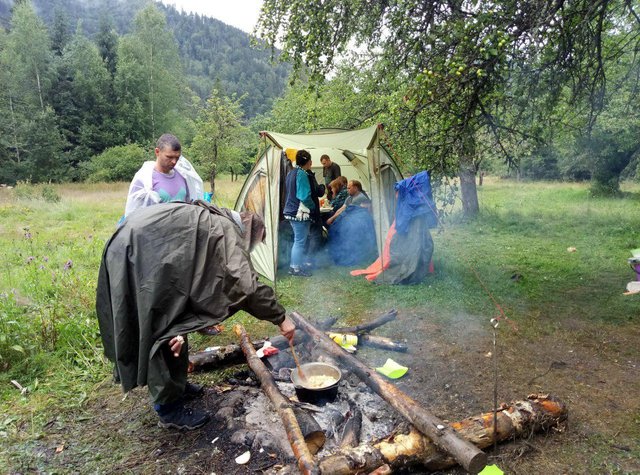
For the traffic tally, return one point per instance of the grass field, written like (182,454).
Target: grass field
(515,258)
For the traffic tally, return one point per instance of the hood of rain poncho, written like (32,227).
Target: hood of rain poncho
(415,198)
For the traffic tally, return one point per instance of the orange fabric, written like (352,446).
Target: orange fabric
(380,264)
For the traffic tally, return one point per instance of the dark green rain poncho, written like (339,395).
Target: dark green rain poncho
(171,269)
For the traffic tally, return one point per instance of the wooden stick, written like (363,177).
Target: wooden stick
(383,343)
(466,454)
(539,412)
(282,404)
(295,359)
(367,327)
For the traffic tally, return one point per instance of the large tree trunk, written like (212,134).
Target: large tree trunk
(282,405)
(466,454)
(522,418)
(468,188)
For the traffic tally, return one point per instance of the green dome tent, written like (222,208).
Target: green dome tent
(361,157)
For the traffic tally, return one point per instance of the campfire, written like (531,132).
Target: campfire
(357,422)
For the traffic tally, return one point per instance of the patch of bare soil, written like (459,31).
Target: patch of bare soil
(593,368)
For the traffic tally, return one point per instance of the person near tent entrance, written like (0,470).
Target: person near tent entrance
(298,207)
(330,171)
(338,189)
(315,240)
(357,197)
(352,237)
(339,192)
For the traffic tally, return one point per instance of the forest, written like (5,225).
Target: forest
(82,77)
(534,90)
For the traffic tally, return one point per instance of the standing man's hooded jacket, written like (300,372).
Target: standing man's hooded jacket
(171,269)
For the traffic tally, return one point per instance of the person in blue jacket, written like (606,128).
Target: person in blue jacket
(298,209)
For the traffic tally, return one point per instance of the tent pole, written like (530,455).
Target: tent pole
(378,181)
(274,231)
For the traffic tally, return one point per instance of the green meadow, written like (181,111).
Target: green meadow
(545,258)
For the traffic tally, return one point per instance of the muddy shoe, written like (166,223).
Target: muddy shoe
(192,390)
(183,418)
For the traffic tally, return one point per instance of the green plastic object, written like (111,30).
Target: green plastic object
(491,470)
(635,252)
(392,370)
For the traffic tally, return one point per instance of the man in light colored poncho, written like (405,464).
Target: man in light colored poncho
(169,178)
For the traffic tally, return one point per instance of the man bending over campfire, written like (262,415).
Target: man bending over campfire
(170,270)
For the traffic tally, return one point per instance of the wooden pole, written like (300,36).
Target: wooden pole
(282,404)
(367,327)
(382,343)
(538,412)
(465,453)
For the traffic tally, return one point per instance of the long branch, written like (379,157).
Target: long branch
(282,405)
(465,453)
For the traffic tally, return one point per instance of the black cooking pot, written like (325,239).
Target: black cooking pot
(313,395)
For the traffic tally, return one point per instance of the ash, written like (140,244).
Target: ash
(378,420)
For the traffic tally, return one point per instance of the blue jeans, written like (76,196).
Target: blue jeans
(300,234)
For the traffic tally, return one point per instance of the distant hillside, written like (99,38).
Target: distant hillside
(212,52)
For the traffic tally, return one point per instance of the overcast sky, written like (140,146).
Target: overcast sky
(242,14)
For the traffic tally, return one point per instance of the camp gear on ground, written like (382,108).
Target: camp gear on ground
(634,263)
(304,388)
(392,370)
(415,199)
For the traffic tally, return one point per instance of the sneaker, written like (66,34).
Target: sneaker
(192,390)
(183,418)
(299,272)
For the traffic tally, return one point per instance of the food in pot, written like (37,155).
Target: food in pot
(319,381)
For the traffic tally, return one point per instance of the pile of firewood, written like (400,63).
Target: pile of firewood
(422,441)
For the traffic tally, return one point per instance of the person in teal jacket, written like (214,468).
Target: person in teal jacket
(298,209)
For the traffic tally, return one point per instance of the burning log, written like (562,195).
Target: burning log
(281,404)
(521,418)
(311,431)
(465,453)
(352,428)
(367,327)
(383,343)
(229,355)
